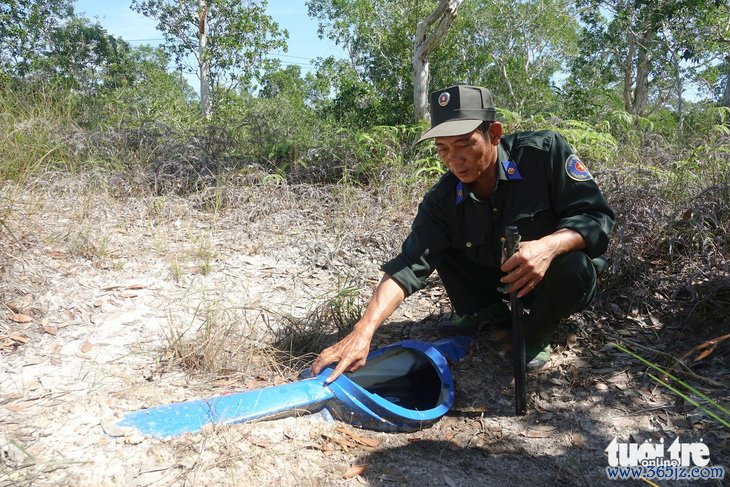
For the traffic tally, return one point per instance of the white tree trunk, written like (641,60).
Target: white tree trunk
(427,40)
(203,63)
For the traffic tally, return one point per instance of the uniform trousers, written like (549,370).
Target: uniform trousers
(567,287)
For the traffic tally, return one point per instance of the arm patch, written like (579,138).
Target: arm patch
(576,170)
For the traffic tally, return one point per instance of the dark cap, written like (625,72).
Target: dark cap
(458,110)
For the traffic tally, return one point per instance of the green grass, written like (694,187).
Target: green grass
(710,407)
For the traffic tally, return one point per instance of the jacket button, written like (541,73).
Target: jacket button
(468,244)
(495,210)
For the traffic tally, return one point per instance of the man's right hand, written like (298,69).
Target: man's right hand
(350,353)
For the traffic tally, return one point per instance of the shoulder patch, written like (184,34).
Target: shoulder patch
(576,170)
(510,170)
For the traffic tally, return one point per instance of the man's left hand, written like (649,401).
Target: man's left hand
(527,267)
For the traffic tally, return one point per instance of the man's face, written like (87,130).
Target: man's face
(469,157)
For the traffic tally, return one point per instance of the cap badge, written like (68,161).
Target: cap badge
(444,98)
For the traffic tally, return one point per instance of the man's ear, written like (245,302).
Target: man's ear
(495,132)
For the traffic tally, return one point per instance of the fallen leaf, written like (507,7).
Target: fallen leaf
(51,330)
(704,354)
(56,254)
(572,340)
(354,470)
(414,440)
(136,285)
(577,440)
(85,347)
(260,442)
(601,386)
(371,442)
(543,431)
(18,338)
(344,444)
(18,407)
(20,318)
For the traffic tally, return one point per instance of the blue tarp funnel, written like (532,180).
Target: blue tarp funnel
(405,386)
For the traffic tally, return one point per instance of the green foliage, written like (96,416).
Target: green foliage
(153,95)
(535,39)
(594,143)
(84,57)
(273,131)
(378,35)
(26,27)
(642,53)
(239,36)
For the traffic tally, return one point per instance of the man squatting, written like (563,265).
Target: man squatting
(529,179)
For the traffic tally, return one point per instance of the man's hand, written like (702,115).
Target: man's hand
(526,268)
(350,353)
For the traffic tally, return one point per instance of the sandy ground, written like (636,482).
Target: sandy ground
(96,288)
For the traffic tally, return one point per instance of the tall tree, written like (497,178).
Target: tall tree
(379,38)
(429,34)
(25,31)
(516,48)
(643,46)
(83,56)
(228,39)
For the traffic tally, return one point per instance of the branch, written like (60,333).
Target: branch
(447,8)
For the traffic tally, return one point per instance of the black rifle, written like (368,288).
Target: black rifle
(512,246)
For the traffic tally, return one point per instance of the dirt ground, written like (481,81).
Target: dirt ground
(100,292)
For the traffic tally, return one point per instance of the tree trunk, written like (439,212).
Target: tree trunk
(629,77)
(424,44)
(726,94)
(421,73)
(680,94)
(641,91)
(203,62)
(636,75)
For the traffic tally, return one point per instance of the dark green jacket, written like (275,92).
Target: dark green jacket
(546,198)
